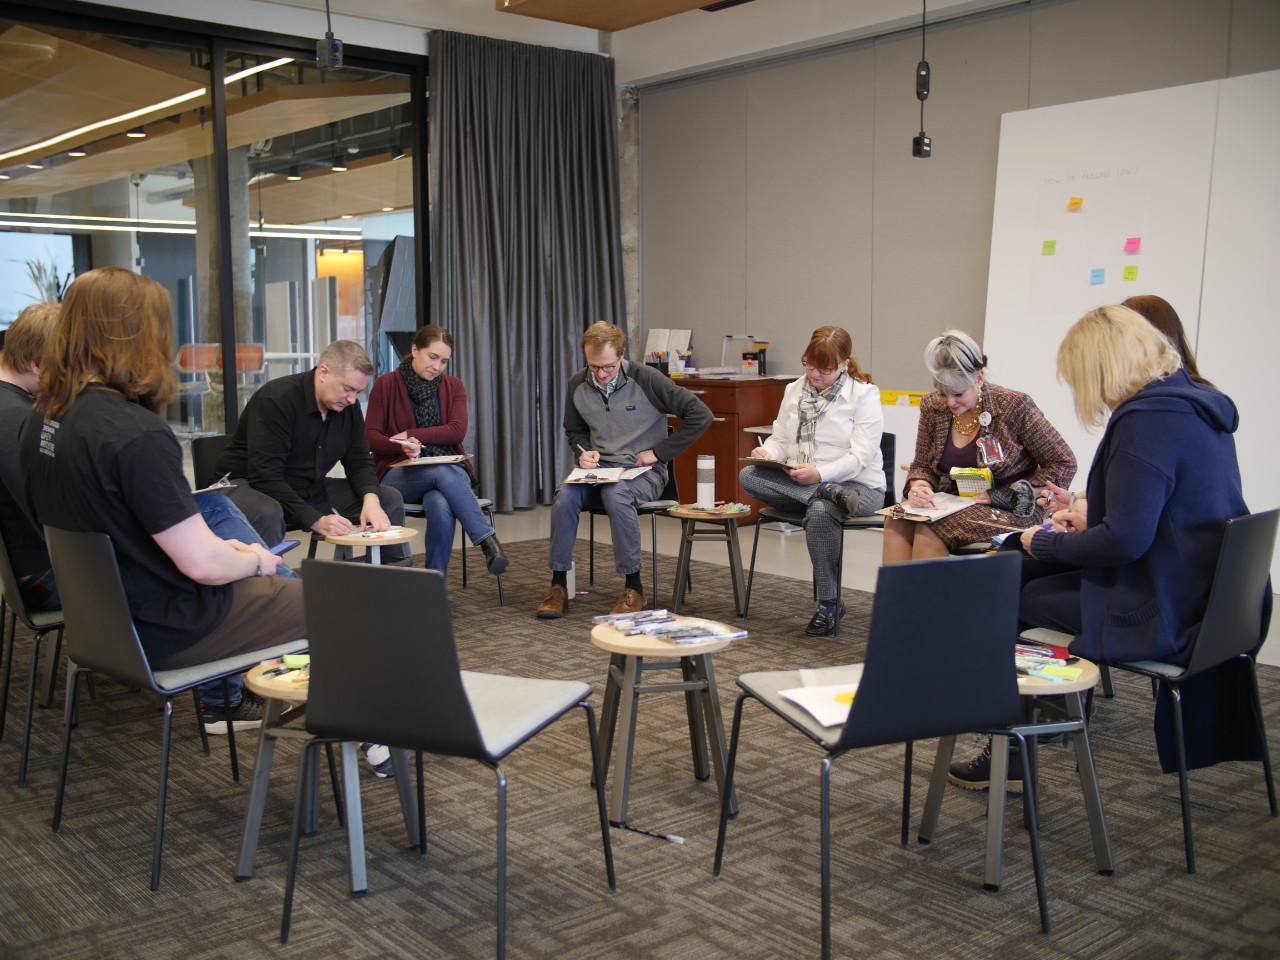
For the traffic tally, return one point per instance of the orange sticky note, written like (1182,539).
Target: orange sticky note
(1130,272)
(1075,203)
(1133,245)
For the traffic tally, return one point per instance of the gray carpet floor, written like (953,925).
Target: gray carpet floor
(83,892)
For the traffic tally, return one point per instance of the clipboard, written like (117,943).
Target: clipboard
(426,461)
(769,464)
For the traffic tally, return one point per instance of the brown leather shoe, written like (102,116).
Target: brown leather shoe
(556,605)
(630,602)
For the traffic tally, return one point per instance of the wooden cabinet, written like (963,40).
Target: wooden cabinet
(735,404)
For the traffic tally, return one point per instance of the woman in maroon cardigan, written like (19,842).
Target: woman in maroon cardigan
(420,411)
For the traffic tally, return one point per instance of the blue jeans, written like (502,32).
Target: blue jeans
(444,490)
(228,522)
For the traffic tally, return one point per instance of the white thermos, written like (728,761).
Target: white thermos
(706,481)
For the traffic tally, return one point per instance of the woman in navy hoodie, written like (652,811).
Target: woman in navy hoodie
(1136,570)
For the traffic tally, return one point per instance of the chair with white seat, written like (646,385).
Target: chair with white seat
(426,704)
(101,637)
(915,686)
(1235,623)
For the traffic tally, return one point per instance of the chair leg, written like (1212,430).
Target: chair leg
(502,861)
(422,805)
(598,773)
(8,672)
(68,724)
(231,731)
(1108,683)
(51,670)
(464,557)
(726,788)
(653,547)
(906,794)
(204,734)
(299,802)
(31,702)
(158,845)
(826,857)
(751,571)
(1176,700)
(1033,827)
(591,548)
(337,790)
(1262,733)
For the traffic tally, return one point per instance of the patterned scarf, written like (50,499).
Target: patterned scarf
(425,395)
(812,406)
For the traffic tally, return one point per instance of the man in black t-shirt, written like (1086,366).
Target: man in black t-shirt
(294,430)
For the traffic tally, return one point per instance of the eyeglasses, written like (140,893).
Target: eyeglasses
(812,369)
(606,368)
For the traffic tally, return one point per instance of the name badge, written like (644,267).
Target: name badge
(990,452)
(631,408)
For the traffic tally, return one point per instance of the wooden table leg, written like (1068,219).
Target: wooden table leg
(682,565)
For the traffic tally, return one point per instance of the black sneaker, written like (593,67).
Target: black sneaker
(975,774)
(245,715)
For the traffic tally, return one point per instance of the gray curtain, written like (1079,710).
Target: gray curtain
(525,245)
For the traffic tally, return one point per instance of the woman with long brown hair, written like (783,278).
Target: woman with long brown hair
(97,457)
(827,434)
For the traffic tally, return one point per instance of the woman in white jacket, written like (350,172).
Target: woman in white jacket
(827,435)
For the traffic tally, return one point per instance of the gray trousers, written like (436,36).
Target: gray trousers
(619,501)
(823,533)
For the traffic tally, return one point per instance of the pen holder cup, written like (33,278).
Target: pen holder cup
(661,366)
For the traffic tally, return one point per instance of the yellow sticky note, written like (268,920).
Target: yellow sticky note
(1130,272)
(1049,248)
(1060,673)
(1075,203)
(846,696)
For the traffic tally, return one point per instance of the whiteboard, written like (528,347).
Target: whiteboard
(1193,173)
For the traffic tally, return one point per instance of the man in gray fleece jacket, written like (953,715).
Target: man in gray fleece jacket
(615,415)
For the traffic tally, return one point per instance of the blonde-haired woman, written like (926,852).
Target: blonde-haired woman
(828,431)
(1130,580)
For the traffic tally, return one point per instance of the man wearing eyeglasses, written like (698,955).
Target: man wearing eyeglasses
(294,430)
(615,415)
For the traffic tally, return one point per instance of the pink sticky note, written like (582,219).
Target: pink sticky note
(1133,245)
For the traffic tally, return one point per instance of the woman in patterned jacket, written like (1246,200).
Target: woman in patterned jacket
(968,421)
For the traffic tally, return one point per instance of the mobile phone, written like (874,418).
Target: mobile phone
(283,547)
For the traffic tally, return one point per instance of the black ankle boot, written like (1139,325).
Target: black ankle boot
(494,559)
(846,500)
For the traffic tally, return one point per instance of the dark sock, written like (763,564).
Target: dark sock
(633,582)
(560,578)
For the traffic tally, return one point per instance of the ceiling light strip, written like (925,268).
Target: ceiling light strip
(296,234)
(141,112)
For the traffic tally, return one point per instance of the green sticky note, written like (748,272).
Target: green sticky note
(1049,248)
(1130,272)
(296,661)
